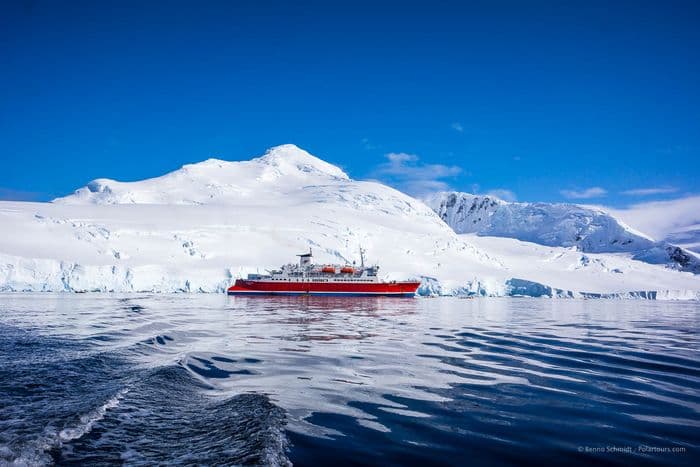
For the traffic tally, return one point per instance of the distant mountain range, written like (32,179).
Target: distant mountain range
(556,224)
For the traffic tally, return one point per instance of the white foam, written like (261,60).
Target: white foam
(87,421)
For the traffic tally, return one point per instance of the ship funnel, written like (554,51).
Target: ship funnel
(305,258)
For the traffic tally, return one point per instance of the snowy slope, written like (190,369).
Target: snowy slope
(199,227)
(538,270)
(587,229)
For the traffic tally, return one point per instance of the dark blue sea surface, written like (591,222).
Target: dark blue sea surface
(216,380)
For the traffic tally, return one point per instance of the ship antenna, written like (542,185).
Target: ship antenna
(362,258)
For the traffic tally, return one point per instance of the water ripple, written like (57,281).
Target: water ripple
(214,379)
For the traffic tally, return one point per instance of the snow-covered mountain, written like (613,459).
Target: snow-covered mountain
(199,227)
(567,225)
(282,169)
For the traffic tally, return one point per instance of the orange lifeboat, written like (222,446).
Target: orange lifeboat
(328,269)
(347,270)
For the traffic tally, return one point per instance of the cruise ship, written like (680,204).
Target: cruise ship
(307,278)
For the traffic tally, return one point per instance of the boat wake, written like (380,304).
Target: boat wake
(148,416)
(88,420)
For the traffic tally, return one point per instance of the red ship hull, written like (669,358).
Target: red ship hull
(254,287)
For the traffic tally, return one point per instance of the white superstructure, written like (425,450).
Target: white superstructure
(307,270)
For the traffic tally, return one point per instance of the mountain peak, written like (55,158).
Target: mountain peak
(290,158)
(281,168)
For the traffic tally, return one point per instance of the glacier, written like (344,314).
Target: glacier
(198,228)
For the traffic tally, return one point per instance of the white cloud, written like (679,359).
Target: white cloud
(406,172)
(501,193)
(592,192)
(398,158)
(456,126)
(407,165)
(367,144)
(650,191)
(661,218)
(421,188)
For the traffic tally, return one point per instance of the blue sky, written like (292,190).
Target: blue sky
(594,102)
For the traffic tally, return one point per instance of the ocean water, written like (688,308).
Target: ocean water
(210,379)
